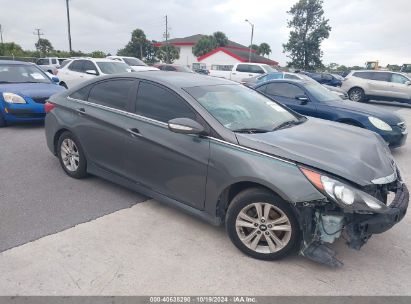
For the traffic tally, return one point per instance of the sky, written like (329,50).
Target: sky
(362,30)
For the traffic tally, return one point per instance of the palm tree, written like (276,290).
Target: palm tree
(264,49)
(220,38)
(139,38)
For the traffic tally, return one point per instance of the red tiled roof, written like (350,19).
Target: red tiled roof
(240,54)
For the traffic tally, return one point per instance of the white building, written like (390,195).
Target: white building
(222,58)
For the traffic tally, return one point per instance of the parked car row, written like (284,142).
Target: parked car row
(278,180)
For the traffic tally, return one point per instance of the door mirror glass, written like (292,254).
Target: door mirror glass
(91,72)
(185,126)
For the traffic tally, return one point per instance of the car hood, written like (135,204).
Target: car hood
(38,90)
(352,153)
(366,109)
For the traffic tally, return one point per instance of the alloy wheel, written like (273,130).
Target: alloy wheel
(263,227)
(356,95)
(70,155)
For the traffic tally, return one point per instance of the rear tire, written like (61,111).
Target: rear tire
(356,94)
(71,156)
(262,225)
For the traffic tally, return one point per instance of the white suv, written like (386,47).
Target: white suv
(378,85)
(134,62)
(82,69)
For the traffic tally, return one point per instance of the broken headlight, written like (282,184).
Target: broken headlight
(346,196)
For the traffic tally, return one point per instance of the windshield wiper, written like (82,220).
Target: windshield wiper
(250,130)
(286,124)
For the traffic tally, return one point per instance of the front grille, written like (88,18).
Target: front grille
(40,99)
(402,126)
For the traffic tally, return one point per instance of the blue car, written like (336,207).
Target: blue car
(333,80)
(312,99)
(24,89)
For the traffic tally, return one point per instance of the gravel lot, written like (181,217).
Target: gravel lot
(131,245)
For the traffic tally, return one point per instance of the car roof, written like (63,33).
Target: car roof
(95,59)
(176,79)
(14,62)
(294,81)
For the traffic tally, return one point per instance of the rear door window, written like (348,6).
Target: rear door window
(161,104)
(284,90)
(381,76)
(112,93)
(363,75)
(81,94)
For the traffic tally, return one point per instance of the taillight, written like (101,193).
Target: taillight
(48,107)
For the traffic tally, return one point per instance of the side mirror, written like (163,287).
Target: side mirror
(185,126)
(303,98)
(408,83)
(91,72)
(55,79)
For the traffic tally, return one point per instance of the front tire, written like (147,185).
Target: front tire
(262,225)
(71,156)
(2,121)
(356,94)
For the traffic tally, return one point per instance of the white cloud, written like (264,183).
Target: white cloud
(361,29)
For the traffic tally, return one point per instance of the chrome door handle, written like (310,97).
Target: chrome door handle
(134,132)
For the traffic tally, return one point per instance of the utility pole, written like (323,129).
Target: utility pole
(39,34)
(68,24)
(252,34)
(1,35)
(167,49)
(1,39)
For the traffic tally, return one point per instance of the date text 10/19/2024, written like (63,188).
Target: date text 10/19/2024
(203,299)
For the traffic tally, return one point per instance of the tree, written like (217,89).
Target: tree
(221,39)
(254,47)
(308,29)
(11,49)
(44,46)
(173,53)
(205,45)
(135,46)
(264,49)
(98,54)
(150,51)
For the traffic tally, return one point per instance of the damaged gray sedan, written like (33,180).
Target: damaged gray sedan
(279,181)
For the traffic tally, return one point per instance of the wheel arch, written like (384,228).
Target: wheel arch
(351,121)
(230,191)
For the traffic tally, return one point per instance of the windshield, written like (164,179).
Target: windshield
(237,107)
(12,73)
(269,69)
(320,93)
(133,62)
(113,67)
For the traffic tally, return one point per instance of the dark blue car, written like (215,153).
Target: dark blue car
(24,89)
(314,100)
(333,80)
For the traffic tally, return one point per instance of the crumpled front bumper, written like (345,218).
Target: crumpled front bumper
(358,227)
(362,226)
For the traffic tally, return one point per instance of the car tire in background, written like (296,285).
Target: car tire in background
(356,94)
(2,121)
(71,156)
(63,85)
(262,225)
